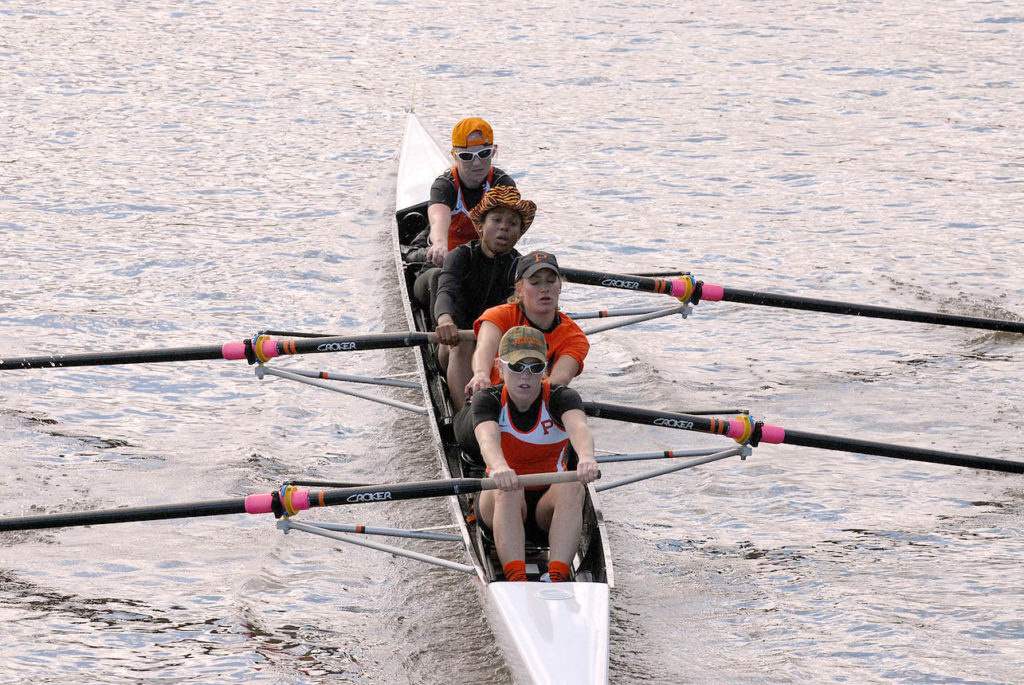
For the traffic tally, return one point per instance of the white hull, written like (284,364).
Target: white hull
(555,633)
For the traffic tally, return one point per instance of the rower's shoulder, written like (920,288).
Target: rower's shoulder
(488,399)
(502,178)
(445,178)
(563,397)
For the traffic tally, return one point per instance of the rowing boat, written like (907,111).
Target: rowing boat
(551,633)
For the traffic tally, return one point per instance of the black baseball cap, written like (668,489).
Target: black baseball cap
(529,264)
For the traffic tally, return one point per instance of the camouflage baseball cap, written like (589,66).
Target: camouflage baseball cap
(522,342)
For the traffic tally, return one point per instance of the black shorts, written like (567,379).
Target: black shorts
(462,425)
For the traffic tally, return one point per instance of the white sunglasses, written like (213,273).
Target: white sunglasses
(467,156)
(536,368)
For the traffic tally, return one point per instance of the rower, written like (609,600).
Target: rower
(454,194)
(478,275)
(535,304)
(522,426)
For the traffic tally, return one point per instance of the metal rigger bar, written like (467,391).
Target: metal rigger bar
(286,524)
(743,451)
(263,370)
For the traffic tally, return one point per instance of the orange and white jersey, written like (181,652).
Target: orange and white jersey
(461,229)
(541,448)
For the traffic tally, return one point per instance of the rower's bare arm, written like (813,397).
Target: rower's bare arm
(488,436)
(440,217)
(447,331)
(575,422)
(564,370)
(487,339)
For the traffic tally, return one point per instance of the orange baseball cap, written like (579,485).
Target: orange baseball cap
(466,127)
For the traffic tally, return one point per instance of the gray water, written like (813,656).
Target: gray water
(176,174)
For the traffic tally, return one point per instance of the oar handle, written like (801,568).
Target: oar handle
(532,480)
(464,336)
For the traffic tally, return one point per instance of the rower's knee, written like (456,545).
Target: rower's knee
(463,352)
(507,496)
(569,494)
(510,501)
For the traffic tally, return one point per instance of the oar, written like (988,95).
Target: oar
(289,500)
(690,290)
(743,429)
(259,349)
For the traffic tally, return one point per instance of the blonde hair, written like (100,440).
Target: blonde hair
(516,297)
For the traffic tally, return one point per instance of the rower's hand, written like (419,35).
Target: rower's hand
(587,471)
(479,381)
(505,478)
(436,253)
(447,331)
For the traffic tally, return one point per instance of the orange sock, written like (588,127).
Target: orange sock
(515,571)
(558,572)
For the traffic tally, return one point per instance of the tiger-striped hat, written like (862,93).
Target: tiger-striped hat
(503,196)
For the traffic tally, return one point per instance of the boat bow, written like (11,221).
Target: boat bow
(559,630)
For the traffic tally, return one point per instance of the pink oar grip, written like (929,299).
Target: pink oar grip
(769,433)
(708,291)
(236,350)
(259,504)
(736,428)
(263,503)
(679,288)
(712,292)
(776,435)
(270,348)
(300,500)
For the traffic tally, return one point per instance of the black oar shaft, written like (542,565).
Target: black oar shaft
(400,491)
(779,435)
(289,500)
(645,284)
(882,449)
(124,515)
(262,349)
(873,311)
(170,354)
(651,417)
(687,288)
